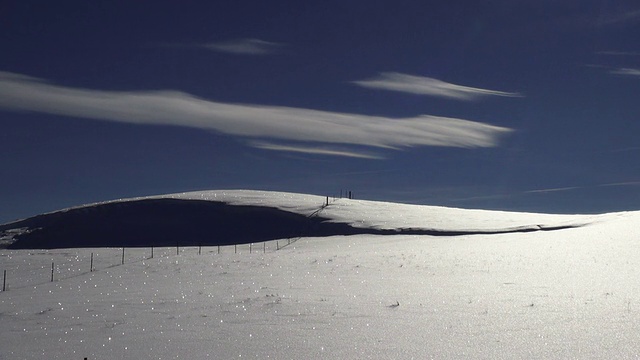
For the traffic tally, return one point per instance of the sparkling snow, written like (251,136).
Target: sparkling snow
(571,293)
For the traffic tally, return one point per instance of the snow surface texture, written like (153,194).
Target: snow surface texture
(571,293)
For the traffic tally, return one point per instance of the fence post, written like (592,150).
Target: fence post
(152,252)
(264,247)
(218,249)
(51,272)
(235,248)
(250,246)
(4,281)
(91,267)
(277,245)
(199,250)
(122,256)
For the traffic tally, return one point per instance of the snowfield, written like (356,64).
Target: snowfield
(572,292)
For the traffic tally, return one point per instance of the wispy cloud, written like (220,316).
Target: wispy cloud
(540,191)
(545,191)
(627,183)
(630,72)
(175,108)
(315,150)
(625,72)
(419,85)
(244,46)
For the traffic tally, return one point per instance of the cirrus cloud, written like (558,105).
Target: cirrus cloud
(316,150)
(174,108)
(626,72)
(244,46)
(419,85)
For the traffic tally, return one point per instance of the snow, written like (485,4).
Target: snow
(385,215)
(571,293)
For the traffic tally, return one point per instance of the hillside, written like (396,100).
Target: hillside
(237,217)
(503,288)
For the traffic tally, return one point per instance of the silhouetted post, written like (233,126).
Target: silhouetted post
(277,245)
(177,249)
(264,247)
(235,248)
(91,267)
(250,246)
(4,281)
(327,203)
(122,256)
(152,252)
(218,249)
(199,250)
(51,272)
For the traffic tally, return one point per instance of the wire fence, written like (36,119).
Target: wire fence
(24,268)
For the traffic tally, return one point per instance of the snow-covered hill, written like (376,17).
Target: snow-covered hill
(241,216)
(572,292)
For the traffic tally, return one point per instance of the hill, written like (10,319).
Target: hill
(237,217)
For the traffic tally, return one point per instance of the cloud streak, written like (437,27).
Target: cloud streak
(626,72)
(175,108)
(418,85)
(244,46)
(315,150)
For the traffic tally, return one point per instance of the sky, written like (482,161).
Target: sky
(522,105)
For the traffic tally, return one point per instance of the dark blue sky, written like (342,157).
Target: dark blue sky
(520,105)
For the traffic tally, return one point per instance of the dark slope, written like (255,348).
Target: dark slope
(165,222)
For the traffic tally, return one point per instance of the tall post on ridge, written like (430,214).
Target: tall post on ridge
(51,272)
(91,266)
(4,281)
(122,256)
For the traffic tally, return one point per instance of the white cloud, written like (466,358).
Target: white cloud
(626,72)
(419,85)
(244,46)
(316,150)
(174,108)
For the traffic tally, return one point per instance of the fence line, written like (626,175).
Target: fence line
(69,263)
